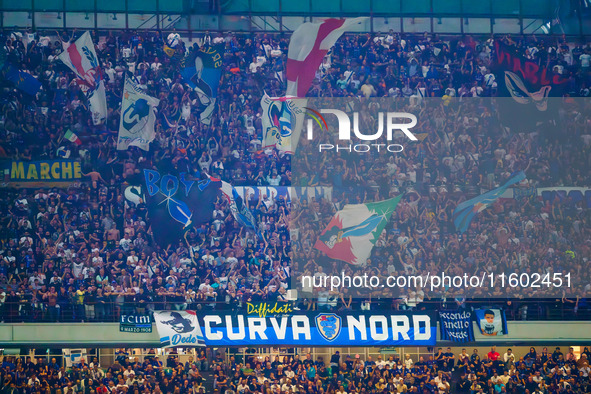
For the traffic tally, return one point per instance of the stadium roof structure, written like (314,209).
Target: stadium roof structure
(411,16)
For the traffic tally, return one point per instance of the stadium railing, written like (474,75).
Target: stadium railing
(516,310)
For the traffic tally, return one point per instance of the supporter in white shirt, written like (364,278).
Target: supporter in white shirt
(156,64)
(509,355)
(408,361)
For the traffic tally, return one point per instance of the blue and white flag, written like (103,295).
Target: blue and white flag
(465,212)
(491,322)
(283,119)
(456,326)
(138,114)
(237,206)
(81,58)
(178,328)
(202,70)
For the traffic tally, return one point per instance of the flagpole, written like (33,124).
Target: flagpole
(62,137)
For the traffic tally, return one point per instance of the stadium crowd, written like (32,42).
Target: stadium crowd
(465,152)
(442,372)
(86,252)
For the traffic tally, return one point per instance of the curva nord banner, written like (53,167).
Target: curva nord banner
(299,328)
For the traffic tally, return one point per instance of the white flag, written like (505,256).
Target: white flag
(178,328)
(283,119)
(81,58)
(308,45)
(136,127)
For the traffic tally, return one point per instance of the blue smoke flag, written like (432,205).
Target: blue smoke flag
(491,322)
(21,80)
(202,70)
(465,212)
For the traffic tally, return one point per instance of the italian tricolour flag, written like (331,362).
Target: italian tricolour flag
(70,136)
(354,230)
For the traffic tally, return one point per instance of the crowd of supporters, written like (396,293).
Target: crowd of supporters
(466,152)
(442,372)
(86,252)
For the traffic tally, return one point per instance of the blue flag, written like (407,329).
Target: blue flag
(177,201)
(465,212)
(237,206)
(202,70)
(21,80)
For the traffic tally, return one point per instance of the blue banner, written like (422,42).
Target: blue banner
(491,322)
(178,201)
(456,326)
(318,329)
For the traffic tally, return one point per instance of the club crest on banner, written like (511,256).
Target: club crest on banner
(136,115)
(178,328)
(282,120)
(335,234)
(279,115)
(329,325)
(179,323)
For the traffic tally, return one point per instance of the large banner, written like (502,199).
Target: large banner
(133,193)
(281,326)
(177,201)
(178,328)
(44,173)
(491,322)
(456,326)
(136,127)
(81,58)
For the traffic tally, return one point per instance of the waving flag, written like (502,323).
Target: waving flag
(530,86)
(202,70)
(81,58)
(72,137)
(465,212)
(308,45)
(177,201)
(283,119)
(237,206)
(136,127)
(353,231)
(21,80)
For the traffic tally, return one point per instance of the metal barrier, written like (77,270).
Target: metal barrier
(516,310)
